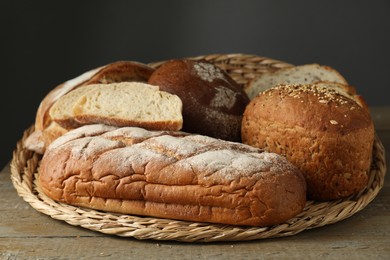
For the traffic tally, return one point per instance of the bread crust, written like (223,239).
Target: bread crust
(171,175)
(328,136)
(155,125)
(213,103)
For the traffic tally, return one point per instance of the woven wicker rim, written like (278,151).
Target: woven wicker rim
(243,68)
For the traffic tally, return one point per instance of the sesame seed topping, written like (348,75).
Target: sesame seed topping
(333,122)
(324,94)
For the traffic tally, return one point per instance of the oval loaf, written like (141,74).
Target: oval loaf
(171,175)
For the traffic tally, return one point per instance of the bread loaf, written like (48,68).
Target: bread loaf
(46,130)
(213,103)
(119,104)
(328,136)
(304,74)
(171,175)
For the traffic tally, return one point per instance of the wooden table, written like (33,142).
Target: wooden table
(28,234)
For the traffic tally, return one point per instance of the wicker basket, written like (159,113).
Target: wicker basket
(242,68)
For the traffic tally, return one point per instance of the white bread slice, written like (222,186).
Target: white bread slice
(119,104)
(304,74)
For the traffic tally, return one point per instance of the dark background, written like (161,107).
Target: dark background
(44,43)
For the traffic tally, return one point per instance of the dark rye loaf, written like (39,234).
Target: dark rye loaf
(213,103)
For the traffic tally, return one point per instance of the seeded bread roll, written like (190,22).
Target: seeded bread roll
(213,103)
(328,136)
(171,175)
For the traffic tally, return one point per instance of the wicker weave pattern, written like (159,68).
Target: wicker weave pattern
(243,68)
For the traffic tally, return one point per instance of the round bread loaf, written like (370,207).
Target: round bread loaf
(328,136)
(213,103)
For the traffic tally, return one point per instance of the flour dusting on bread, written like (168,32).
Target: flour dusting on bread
(208,72)
(84,131)
(224,98)
(90,147)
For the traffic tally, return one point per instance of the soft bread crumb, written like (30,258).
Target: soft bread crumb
(125,104)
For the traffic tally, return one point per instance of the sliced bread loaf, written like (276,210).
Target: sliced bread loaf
(304,74)
(119,104)
(46,130)
(120,71)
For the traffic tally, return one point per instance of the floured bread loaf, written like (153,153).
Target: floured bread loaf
(213,103)
(328,136)
(46,130)
(119,104)
(171,175)
(304,74)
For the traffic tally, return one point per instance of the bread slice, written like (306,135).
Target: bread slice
(304,74)
(119,104)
